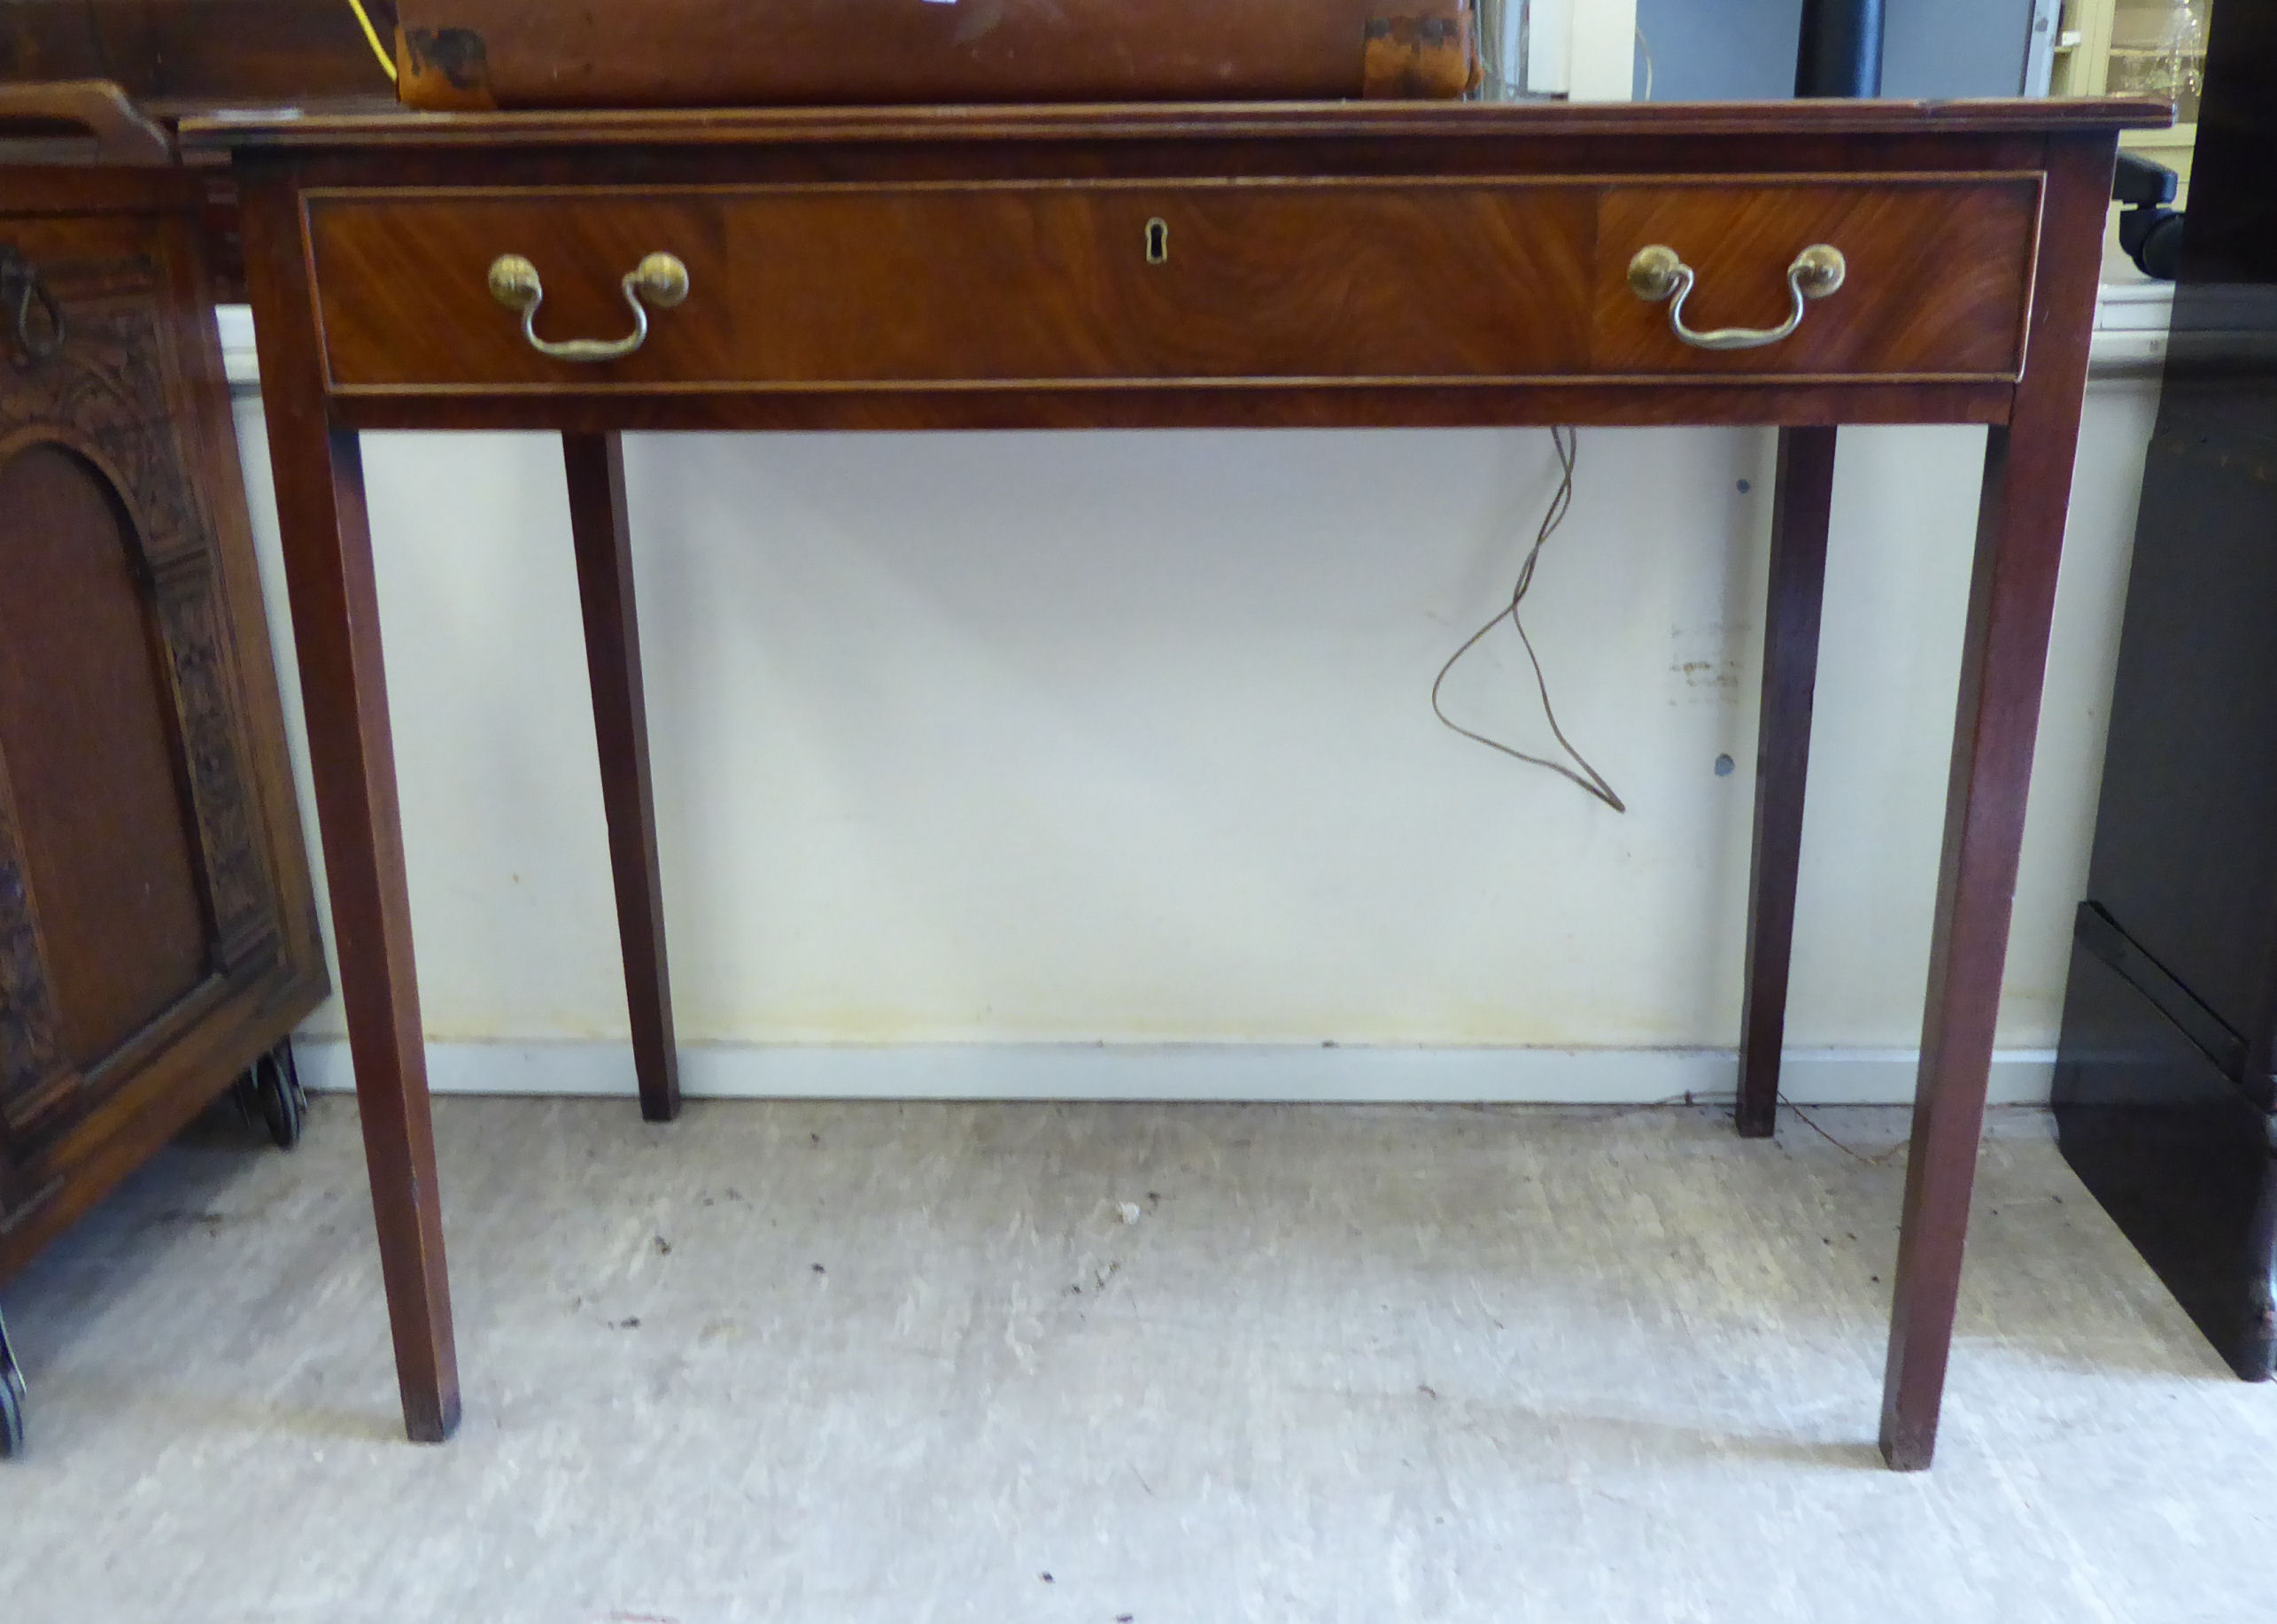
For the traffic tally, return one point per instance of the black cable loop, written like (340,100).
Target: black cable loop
(1567,441)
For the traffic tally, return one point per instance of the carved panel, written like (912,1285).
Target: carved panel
(32,1067)
(189,619)
(105,394)
(158,927)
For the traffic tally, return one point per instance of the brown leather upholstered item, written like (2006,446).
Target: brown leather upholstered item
(701,53)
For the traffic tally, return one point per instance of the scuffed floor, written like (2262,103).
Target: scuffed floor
(1172,1364)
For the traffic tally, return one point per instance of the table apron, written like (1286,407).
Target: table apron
(1532,403)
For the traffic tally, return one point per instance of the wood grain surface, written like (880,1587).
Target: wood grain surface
(983,284)
(698,53)
(405,294)
(1190,404)
(157,926)
(1406,279)
(1788,122)
(104,827)
(227,50)
(1802,506)
(1939,275)
(2027,490)
(334,596)
(601,533)
(1010,283)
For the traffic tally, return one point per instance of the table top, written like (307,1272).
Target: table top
(295,128)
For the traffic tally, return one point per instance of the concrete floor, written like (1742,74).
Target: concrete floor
(1169,1365)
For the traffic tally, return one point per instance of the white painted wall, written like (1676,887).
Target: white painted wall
(1583,50)
(1601,47)
(999,739)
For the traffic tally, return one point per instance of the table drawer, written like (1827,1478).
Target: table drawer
(1004,284)
(403,289)
(1225,281)
(1937,282)
(1099,284)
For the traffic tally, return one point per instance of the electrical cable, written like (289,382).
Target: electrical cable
(386,57)
(1856,1155)
(1567,444)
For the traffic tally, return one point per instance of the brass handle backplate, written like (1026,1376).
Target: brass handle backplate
(660,279)
(1657,273)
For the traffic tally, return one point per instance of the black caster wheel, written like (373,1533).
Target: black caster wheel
(270,1096)
(11,1401)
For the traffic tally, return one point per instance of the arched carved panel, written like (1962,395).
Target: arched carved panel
(101,804)
(102,400)
(106,390)
(144,593)
(33,1068)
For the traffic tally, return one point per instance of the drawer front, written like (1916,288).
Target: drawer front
(996,284)
(1937,275)
(403,288)
(1100,283)
(1230,281)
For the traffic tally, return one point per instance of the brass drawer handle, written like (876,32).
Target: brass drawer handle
(1657,273)
(660,279)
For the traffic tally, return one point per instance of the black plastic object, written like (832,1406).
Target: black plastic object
(270,1093)
(2138,179)
(2165,1086)
(2149,232)
(1840,49)
(2151,1117)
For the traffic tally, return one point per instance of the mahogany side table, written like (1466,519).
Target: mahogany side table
(1804,264)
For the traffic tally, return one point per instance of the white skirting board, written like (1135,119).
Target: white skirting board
(1178,1071)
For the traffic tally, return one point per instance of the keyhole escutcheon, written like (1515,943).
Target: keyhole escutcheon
(1158,240)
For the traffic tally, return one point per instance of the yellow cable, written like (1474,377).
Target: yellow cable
(386,59)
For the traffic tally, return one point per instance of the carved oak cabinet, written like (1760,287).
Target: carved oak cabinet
(158,934)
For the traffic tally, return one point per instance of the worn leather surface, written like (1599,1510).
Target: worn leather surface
(696,53)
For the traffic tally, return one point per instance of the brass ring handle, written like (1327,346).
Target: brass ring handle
(22,288)
(1658,274)
(659,279)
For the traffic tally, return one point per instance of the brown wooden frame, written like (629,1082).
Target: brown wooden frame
(2033,420)
(136,392)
